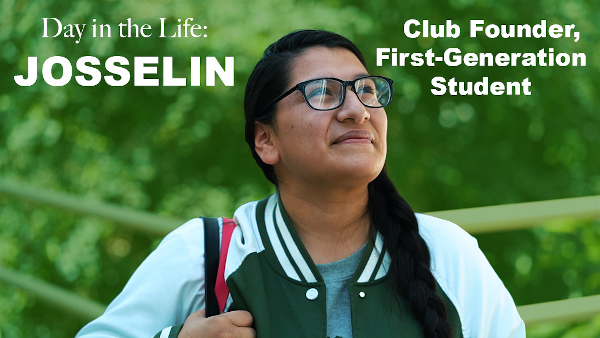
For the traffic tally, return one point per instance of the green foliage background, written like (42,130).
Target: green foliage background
(180,151)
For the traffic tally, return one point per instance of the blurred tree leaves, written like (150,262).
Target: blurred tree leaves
(180,151)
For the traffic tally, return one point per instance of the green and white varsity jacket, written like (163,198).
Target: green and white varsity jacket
(269,273)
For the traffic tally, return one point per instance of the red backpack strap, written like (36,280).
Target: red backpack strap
(221,289)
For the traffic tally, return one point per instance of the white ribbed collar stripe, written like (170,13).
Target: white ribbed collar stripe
(165,332)
(372,262)
(293,248)
(385,265)
(275,243)
(228,303)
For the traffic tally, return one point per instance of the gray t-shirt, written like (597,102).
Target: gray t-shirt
(336,276)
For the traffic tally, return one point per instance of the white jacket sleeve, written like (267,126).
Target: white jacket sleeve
(166,288)
(485,307)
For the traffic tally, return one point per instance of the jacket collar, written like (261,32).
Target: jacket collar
(289,256)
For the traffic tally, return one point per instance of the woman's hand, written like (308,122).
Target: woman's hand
(229,324)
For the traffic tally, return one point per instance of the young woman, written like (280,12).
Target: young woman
(336,252)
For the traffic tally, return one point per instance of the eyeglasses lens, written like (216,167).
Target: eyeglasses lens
(324,94)
(373,91)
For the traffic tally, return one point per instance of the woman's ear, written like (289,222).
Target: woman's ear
(264,137)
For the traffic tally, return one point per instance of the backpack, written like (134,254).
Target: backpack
(215,257)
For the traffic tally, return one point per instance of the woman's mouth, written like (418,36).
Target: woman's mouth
(355,136)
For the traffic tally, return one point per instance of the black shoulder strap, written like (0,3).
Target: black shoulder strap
(211,263)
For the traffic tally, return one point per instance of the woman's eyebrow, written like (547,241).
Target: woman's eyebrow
(361,75)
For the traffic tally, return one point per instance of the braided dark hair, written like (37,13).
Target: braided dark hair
(409,271)
(410,274)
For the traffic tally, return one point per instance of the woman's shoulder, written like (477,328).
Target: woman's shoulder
(444,235)
(191,232)
(467,278)
(168,285)
(452,248)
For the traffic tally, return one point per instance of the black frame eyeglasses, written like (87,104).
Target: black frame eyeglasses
(329,93)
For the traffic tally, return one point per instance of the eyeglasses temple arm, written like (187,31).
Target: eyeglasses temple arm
(280,97)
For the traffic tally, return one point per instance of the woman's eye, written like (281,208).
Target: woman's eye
(318,92)
(365,90)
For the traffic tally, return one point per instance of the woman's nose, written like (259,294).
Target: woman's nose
(352,108)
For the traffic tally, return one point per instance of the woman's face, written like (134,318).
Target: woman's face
(344,146)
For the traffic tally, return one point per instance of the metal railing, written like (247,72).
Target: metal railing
(137,220)
(520,215)
(61,298)
(473,220)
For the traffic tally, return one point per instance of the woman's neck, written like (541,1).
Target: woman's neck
(331,224)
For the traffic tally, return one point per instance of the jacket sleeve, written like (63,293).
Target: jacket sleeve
(165,289)
(484,305)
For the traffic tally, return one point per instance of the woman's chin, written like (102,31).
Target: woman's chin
(359,171)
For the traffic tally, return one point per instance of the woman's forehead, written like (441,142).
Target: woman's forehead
(320,61)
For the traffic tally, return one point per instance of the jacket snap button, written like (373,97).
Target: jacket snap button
(312,294)
(361,294)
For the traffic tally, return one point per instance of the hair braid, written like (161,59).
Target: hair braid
(410,273)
